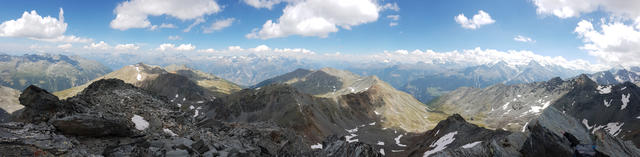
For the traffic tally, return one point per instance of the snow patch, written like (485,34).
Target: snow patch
(625,100)
(586,124)
(139,77)
(395,151)
(607,104)
(441,143)
(140,123)
(316,146)
(398,141)
(471,145)
(623,88)
(504,107)
(191,107)
(604,89)
(352,130)
(519,95)
(614,128)
(195,114)
(538,109)
(380,143)
(382,151)
(374,123)
(179,105)
(524,128)
(376,112)
(167,131)
(200,102)
(349,139)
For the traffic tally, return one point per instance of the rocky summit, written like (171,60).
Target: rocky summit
(113,118)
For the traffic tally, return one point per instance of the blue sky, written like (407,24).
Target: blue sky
(421,25)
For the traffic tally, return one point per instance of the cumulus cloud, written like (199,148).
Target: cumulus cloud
(172,47)
(478,20)
(265,3)
(260,48)
(33,26)
(318,18)
(98,46)
(125,47)
(209,50)
(480,56)
(174,37)
(573,8)
(235,48)
(134,13)
(523,39)
(615,43)
(65,46)
(219,25)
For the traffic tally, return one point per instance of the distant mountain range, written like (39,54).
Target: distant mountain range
(51,72)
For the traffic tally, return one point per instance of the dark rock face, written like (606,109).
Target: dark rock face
(94,126)
(39,104)
(112,118)
(339,147)
(454,137)
(39,99)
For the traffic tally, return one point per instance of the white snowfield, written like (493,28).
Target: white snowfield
(139,121)
(604,89)
(441,143)
(316,146)
(139,77)
(471,145)
(625,100)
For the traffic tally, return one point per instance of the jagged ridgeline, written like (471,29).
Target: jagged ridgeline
(48,71)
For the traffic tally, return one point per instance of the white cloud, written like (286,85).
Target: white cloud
(134,13)
(235,48)
(219,25)
(174,37)
(65,46)
(33,26)
(524,39)
(390,6)
(265,3)
(573,8)
(480,56)
(480,19)
(615,43)
(163,25)
(172,47)
(210,50)
(393,17)
(260,48)
(99,46)
(318,18)
(124,47)
(196,22)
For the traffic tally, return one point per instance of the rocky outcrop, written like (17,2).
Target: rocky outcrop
(456,137)
(40,105)
(112,118)
(339,147)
